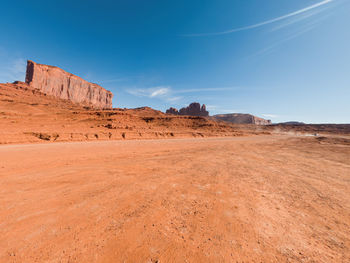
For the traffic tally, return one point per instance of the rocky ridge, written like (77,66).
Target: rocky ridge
(194,109)
(27,116)
(56,82)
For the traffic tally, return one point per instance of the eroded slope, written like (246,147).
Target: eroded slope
(27,115)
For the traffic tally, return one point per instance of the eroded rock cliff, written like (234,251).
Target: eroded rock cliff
(240,118)
(61,84)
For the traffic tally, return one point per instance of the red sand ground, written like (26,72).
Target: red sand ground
(243,199)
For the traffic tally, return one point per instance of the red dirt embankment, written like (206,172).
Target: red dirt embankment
(27,116)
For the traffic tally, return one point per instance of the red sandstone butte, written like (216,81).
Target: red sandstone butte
(241,118)
(194,109)
(61,84)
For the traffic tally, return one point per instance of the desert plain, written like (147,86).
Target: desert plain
(85,184)
(175,131)
(263,198)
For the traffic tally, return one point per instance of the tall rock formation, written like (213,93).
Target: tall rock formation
(240,118)
(61,84)
(194,109)
(172,110)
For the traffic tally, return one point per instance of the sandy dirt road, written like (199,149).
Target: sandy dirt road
(244,199)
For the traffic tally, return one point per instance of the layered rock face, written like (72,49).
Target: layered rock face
(194,109)
(240,118)
(61,84)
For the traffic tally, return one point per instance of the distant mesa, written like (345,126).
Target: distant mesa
(292,123)
(61,84)
(241,118)
(194,109)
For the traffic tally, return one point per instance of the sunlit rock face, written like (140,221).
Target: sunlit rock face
(240,118)
(61,84)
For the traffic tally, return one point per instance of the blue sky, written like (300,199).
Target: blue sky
(279,59)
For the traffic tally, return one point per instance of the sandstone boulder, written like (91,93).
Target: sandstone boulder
(61,84)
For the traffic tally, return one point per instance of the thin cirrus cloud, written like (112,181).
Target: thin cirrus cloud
(267,22)
(301,30)
(297,19)
(155,92)
(162,91)
(168,94)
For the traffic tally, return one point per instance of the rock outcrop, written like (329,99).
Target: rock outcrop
(27,115)
(172,110)
(240,118)
(194,109)
(61,84)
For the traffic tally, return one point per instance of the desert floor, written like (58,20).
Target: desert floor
(243,199)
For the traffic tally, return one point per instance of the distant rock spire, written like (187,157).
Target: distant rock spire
(194,109)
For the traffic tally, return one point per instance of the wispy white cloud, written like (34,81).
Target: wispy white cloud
(160,91)
(163,91)
(298,19)
(300,31)
(155,92)
(267,22)
(169,94)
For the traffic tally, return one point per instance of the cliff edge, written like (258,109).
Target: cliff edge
(240,118)
(56,82)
